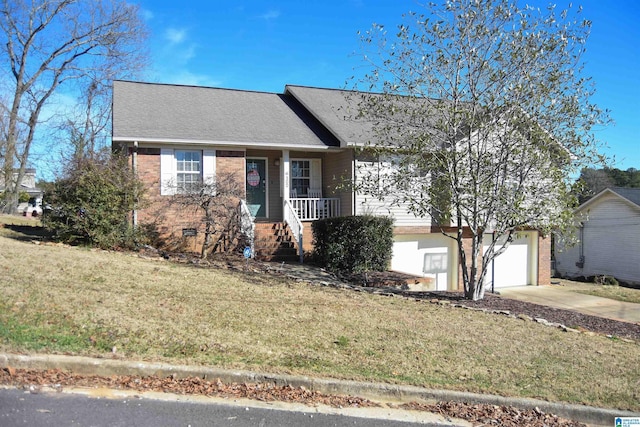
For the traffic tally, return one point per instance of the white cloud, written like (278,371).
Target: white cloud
(175,36)
(186,77)
(270,15)
(147,15)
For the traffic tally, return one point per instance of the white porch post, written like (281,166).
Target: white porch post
(286,167)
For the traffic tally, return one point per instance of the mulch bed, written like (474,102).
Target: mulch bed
(569,318)
(396,283)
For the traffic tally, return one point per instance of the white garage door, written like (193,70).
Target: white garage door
(514,266)
(425,255)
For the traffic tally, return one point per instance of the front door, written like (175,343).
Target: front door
(257,187)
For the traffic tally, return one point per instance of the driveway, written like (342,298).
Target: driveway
(555,296)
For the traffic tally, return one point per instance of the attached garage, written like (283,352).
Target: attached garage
(434,256)
(431,256)
(518,265)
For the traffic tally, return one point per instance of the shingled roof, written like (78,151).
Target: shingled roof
(336,109)
(339,110)
(192,114)
(301,118)
(631,194)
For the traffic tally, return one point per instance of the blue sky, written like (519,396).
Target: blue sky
(263,45)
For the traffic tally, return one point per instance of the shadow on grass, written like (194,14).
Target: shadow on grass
(27,233)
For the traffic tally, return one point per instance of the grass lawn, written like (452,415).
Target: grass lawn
(619,293)
(18,220)
(85,302)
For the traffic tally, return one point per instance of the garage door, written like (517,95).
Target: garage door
(425,255)
(514,266)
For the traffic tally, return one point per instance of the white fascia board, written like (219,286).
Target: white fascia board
(259,144)
(600,195)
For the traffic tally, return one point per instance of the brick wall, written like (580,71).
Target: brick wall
(231,163)
(169,220)
(544,260)
(466,246)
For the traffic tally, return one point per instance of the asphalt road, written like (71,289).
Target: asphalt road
(22,408)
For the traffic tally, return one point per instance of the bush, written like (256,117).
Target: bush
(605,280)
(353,244)
(93,202)
(23,197)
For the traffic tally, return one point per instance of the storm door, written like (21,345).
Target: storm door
(257,187)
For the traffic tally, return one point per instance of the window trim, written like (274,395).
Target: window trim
(168,168)
(315,173)
(182,188)
(302,177)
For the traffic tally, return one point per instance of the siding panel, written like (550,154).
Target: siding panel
(365,204)
(611,243)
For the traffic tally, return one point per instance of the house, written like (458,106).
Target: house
(26,185)
(292,152)
(608,239)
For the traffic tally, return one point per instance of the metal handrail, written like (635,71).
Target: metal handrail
(295,224)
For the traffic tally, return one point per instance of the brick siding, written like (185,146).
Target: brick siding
(544,260)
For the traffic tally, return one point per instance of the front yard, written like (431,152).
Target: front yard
(87,302)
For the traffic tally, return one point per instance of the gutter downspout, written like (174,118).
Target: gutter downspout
(134,164)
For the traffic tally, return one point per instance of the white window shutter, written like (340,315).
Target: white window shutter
(167,172)
(316,174)
(208,167)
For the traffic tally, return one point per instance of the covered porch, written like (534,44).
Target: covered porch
(281,184)
(295,188)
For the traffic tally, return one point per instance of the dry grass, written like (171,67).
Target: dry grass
(619,293)
(18,220)
(62,299)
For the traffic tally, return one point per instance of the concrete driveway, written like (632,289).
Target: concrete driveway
(555,296)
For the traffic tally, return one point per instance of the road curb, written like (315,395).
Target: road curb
(375,391)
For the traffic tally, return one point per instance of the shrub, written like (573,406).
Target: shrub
(353,244)
(92,204)
(23,197)
(605,280)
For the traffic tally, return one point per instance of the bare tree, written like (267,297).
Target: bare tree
(51,44)
(480,117)
(85,130)
(217,205)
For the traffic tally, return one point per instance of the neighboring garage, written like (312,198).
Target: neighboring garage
(435,256)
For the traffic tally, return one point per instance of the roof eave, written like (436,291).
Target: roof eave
(238,144)
(600,195)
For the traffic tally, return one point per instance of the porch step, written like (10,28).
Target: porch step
(274,242)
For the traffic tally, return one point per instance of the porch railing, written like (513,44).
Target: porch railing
(310,209)
(295,224)
(247,224)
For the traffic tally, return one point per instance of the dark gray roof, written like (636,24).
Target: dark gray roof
(160,112)
(336,109)
(631,194)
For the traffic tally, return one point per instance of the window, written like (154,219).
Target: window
(301,176)
(184,170)
(189,170)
